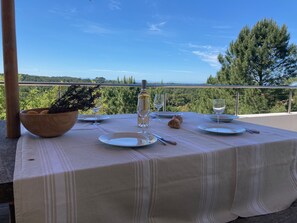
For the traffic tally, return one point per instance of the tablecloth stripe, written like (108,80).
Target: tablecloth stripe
(257,160)
(58,180)
(153,189)
(142,186)
(70,184)
(49,187)
(293,169)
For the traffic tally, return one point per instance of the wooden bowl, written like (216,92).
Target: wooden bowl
(38,122)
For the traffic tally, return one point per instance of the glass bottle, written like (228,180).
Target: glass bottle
(143,95)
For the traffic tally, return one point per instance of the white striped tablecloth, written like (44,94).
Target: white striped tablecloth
(204,178)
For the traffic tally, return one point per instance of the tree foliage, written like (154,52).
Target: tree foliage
(260,56)
(120,99)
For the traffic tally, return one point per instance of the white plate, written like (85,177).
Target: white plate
(167,114)
(92,118)
(128,139)
(222,118)
(222,129)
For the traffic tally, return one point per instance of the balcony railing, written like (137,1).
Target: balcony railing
(290,89)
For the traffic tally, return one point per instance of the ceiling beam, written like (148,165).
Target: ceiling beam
(10,69)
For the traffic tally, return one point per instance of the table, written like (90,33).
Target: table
(205,178)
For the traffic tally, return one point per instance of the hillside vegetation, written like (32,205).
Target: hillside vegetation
(118,100)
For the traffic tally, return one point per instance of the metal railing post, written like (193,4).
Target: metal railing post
(290,101)
(236,102)
(165,100)
(59,91)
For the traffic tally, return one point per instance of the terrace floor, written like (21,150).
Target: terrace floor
(4,213)
(277,120)
(287,216)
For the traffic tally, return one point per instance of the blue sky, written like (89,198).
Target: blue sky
(158,40)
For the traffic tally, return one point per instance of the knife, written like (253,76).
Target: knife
(161,139)
(252,131)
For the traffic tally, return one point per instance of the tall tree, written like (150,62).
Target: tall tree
(260,56)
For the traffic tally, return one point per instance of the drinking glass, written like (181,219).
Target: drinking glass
(96,109)
(159,101)
(219,107)
(143,110)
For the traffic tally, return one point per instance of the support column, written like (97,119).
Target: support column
(10,69)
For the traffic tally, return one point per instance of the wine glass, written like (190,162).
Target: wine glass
(219,107)
(159,101)
(96,108)
(143,110)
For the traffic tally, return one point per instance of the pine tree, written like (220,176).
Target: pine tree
(260,56)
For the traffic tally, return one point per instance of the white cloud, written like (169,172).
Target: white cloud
(209,57)
(207,53)
(156,27)
(114,5)
(207,47)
